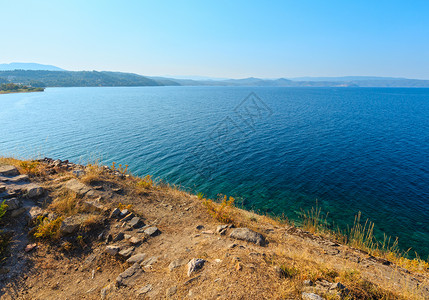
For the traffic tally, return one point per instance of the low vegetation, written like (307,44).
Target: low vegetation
(18,88)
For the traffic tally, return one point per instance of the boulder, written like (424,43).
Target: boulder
(248,235)
(194,265)
(70,224)
(77,187)
(8,171)
(32,214)
(34,191)
(93,205)
(129,276)
(13,203)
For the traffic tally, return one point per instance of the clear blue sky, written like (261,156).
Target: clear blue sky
(221,38)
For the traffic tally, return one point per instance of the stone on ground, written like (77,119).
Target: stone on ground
(177,263)
(311,296)
(151,231)
(8,171)
(248,235)
(112,249)
(137,258)
(34,191)
(129,276)
(194,265)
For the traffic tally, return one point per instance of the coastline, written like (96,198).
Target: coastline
(18,92)
(294,253)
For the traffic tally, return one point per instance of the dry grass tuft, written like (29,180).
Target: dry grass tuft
(66,204)
(48,230)
(93,173)
(220,211)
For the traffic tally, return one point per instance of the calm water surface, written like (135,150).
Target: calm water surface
(278,151)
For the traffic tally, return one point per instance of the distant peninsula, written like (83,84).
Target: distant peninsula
(8,88)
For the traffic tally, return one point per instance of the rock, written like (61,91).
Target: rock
(78,173)
(311,296)
(30,247)
(127,236)
(126,253)
(337,286)
(134,240)
(70,224)
(248,235)
(151,231)
(78,187)
(124,212)
(149,262)
(144,290)
(207,232)
(8,171)
(171,291)
(127,217)
(129,276)
(233,245)
(194,265)
(19,178)
(221,229)
(18,212)
(200,227)
(177,263)
(34,191)
(104,291)
(112,249)
(307,283)
(119,237)
(115,213)
(2,188)
(137,258)
(33,213)
(93,205)
(136,222)
(13,203)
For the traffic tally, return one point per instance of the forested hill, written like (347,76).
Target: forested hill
(69,78)
(43,78)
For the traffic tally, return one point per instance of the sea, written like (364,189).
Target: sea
(278,151)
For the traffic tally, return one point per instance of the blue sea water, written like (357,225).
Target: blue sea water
(277,150)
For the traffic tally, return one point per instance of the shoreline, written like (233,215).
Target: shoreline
(18,92)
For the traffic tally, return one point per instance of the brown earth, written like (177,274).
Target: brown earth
(84,263)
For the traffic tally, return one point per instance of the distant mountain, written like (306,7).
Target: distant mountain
(43,78)
(345,78)
(79,78)
(28,66)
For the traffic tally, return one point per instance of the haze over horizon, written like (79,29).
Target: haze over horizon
(222,39)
